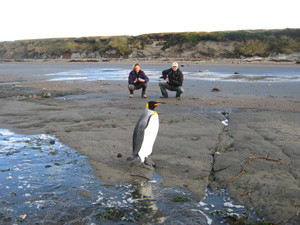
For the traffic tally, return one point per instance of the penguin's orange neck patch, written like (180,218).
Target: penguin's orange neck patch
(155,113)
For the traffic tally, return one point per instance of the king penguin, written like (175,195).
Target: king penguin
(145,133)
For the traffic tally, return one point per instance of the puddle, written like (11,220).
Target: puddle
(45,182)
(217,207)
(264,74)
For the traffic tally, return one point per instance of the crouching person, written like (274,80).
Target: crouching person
(174,80)
(137,79)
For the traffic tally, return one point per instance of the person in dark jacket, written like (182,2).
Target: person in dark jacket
(137,79)
(174,78)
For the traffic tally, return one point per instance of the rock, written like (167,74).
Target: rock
(203,71)
(46,95)
(267,184)
(215,90)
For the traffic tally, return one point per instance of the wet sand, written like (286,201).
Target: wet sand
(193,150)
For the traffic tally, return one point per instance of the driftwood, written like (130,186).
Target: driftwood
(248,162)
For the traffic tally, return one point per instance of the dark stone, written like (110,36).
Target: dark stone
(215,90)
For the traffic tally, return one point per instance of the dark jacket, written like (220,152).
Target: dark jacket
(175,77)
(133,75)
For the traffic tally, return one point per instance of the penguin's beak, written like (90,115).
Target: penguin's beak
(159,103)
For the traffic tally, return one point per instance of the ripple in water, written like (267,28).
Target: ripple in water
(43,181)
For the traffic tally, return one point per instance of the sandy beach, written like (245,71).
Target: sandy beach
(193,150)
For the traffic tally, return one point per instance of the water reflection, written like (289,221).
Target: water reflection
(45,182)
(247,74)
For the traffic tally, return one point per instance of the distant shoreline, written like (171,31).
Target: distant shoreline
(252,60)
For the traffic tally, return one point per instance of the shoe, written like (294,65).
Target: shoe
(144,96)
(163,97)
(131,95)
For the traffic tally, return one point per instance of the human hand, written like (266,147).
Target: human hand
(167,79)
(141,80)
(136,80)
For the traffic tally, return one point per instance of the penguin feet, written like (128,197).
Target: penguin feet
(149,162)
(143,165)
(132,157)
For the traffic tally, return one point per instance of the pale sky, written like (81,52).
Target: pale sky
(36,19)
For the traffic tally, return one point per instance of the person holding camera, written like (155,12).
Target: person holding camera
(174,81)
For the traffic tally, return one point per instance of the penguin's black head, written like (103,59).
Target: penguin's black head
(152,104)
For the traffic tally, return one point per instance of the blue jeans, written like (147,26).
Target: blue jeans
(163,86)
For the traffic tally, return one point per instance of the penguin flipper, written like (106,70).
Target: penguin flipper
(138,136)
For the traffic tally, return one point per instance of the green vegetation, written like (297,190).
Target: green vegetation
(111,214)
(140,209)
(180,199)
(250,43)
(244,221)
(233,220)
(63,48)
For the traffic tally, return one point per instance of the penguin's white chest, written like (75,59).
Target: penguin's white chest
(149,137)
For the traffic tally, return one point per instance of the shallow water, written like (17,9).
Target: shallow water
(45,182)
(66,71)
(264,74)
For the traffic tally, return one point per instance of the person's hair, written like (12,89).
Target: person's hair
(134,65)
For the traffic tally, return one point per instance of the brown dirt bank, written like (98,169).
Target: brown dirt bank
(97,119)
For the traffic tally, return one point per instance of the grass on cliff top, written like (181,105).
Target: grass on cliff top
(249,43)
